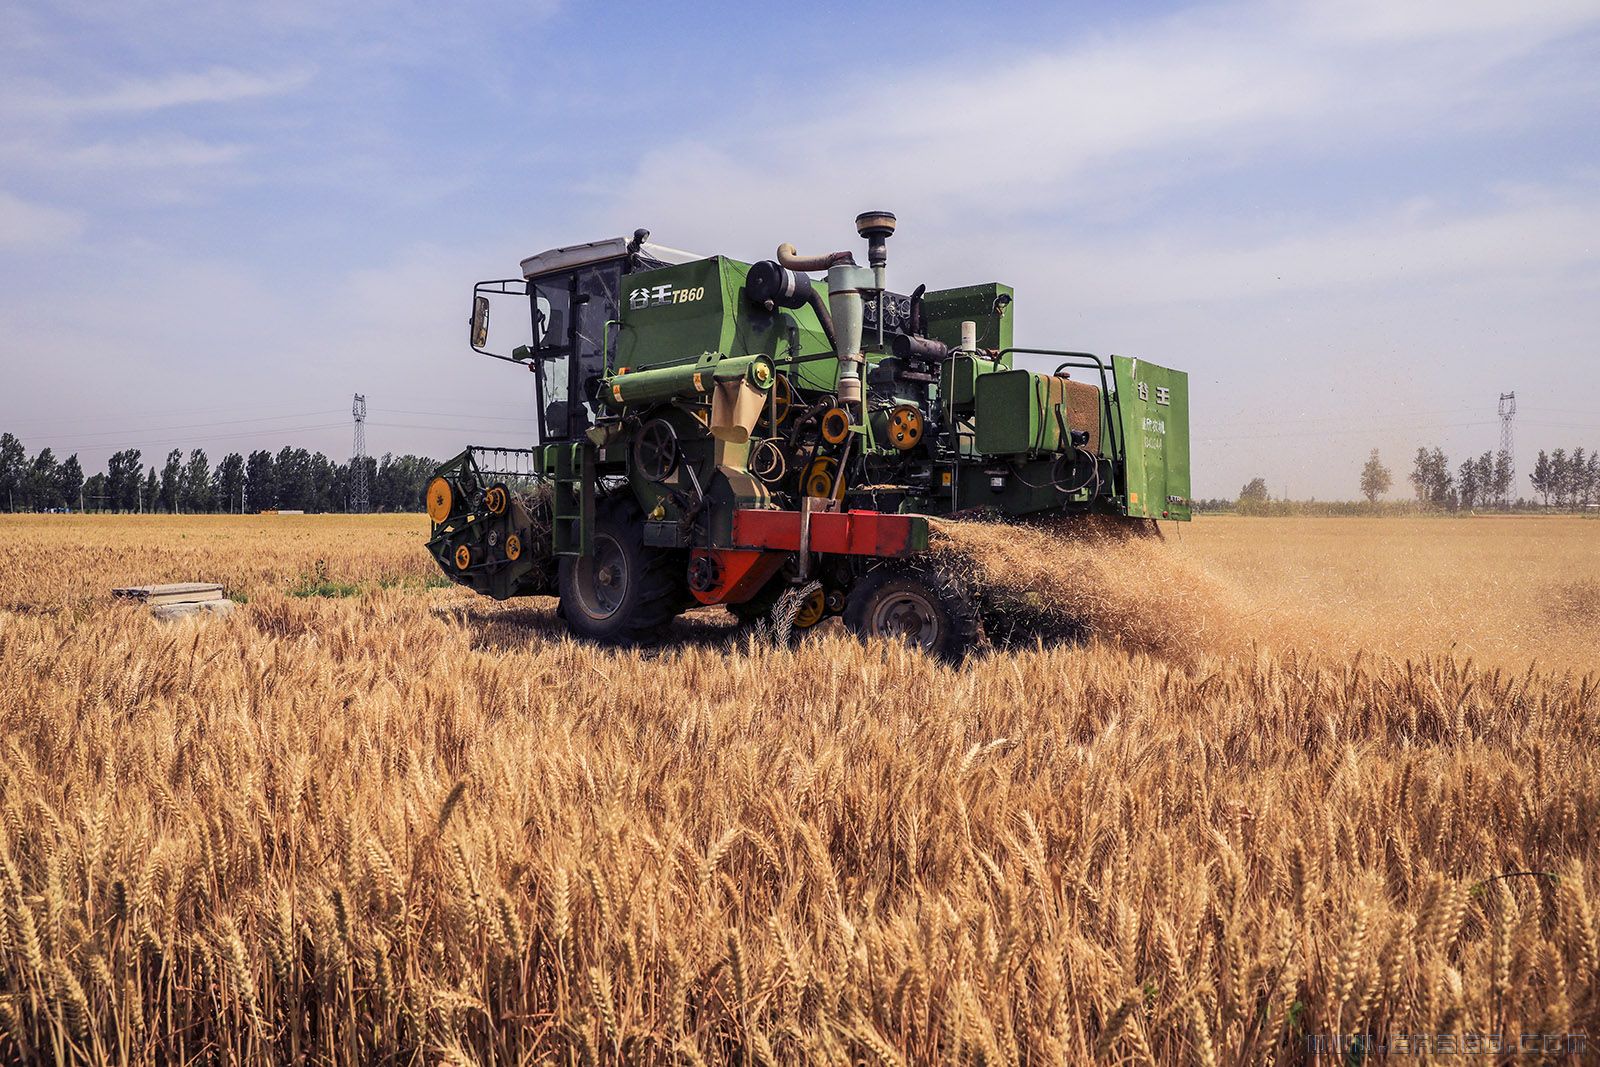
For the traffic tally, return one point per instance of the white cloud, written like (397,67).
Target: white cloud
(218,85)
(1385,20)
(1100,123)
(24,223)
(138,153)
(240,339)
(1079,173)
(1111,177)
(1411,245)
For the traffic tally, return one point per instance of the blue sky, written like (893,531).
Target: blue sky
(1353,223)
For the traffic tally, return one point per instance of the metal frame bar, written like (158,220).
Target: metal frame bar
(1087,359)
(500,289)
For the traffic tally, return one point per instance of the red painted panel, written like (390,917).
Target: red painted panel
(854,533)
(744,572)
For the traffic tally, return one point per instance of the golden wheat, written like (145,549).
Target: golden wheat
(405,825)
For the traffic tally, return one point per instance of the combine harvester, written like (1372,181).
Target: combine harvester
(719,432)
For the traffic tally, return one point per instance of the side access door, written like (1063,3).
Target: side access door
(1153,403)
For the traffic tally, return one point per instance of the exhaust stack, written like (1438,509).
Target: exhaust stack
(847,283)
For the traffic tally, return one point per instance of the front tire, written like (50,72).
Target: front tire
(919,605)
(623,592)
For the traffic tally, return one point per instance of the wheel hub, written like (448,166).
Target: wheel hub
(908,617)
(602,584)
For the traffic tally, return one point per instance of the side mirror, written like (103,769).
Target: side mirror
(480,321)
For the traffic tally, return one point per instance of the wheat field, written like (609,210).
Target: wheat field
(1309,778)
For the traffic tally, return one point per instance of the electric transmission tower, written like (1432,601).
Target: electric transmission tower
(358,458)
(1508,442)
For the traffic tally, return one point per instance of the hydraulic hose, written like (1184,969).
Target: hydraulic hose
(824,317)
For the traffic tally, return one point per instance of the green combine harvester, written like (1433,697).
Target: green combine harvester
(746,434)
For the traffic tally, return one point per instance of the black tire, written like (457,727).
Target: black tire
(892,599)
(647,588)
(1009,627)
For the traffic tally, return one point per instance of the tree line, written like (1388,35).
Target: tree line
(1479,482)
(1562,479)
(291,479)
(1571,479)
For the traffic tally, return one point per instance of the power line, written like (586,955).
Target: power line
(14,424)
(1354,416)
(528,418)
(191,426)
(1350,430)
(443,429)
(143,445)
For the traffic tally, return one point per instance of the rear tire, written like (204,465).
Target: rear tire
(623,592)
(920,605)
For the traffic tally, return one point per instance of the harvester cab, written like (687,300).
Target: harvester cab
(773,437)
(564,309)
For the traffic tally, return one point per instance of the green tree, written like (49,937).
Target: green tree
(1502,477)
(400,481)
(13,471)
(1559,474)
(320,478)
(293,469)
(42,490)
(1467,483)
(195,494)
(124,478)
(1577,474)
(150,491)
(1540,477)
(1485,478)
(172,481)
(227,483)
(260,482)
(95,496)
(1375,478)
(70,482)
(1430,477)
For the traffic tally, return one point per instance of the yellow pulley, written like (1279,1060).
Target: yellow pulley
(513,547)
(811,610)
(782,398)
(818,479)
(440,500)
(463,557)
(496,500)
(835,425)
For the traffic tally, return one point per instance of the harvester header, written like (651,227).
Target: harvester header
(712,431)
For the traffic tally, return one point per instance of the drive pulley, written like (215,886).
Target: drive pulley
(820,477)
(905,426)
(782,399)
(655,450)
(835,425)
(496,499)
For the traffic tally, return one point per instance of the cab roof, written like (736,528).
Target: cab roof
(570,256)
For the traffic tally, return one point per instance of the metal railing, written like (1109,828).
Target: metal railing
(518,468)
